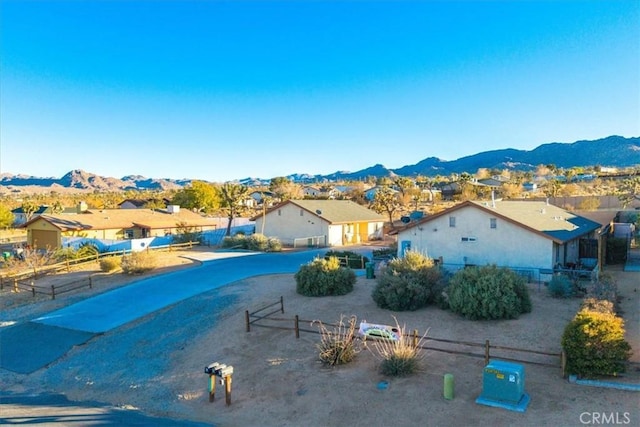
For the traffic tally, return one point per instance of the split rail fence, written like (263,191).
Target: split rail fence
(263,317)
(27,281)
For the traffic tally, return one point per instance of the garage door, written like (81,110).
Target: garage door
(44,239)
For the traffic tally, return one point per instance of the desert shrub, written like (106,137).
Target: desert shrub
(139,262)
(408,283)
(84,251)
(348,258)
(594,343)
(322,277)
(87,250)
(398,358)
(108,264)
(561,286)
(186,233)
(64,254)
(488,292)
(339,344)
(598,305)
(605,288)
(255,242)
(386,253)
(236,241)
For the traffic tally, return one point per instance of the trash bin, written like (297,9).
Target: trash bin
(369,268)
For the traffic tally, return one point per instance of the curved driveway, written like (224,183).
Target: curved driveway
(115,308)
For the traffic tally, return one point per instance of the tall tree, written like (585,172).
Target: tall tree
(29,207)
(6,216)
(285,189)
(232,198)
(200,196)
(385,201)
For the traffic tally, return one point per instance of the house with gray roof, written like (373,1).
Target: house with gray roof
(516,234)
(320,223)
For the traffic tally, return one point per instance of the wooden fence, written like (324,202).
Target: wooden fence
(549,359)
(26,281)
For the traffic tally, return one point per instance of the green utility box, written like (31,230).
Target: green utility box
(370,266)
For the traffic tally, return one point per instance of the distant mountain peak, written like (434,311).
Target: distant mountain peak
(613,151)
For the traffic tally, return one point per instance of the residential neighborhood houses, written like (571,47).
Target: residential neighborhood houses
(50,231)
(320,223)
(521,235)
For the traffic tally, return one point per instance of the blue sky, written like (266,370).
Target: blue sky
(224,90)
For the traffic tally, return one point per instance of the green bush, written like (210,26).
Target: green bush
(594,343)
(322,277)
(408,283)
(138,262)
(108,264)
(561,286)
(348,259)
(488,292)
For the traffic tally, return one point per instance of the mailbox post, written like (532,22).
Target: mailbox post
(224,372)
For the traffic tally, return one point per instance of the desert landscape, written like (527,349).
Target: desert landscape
(155,365)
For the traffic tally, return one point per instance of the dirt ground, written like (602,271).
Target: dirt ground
(156,364)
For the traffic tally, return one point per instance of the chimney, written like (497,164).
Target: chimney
(493,199)
(81,207)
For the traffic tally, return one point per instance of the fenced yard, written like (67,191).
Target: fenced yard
(26,280)
(263,317)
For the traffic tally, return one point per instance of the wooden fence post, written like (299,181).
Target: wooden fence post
(296,326)
(281,304)
(90,282)
(33,289)
(1,283)
(415,338)
(246,321)
(53,292)
(486,352)
(563,363)
(15,285)
(67,264)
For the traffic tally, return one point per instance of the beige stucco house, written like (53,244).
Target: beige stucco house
(515,234)
(320,222)
(113,224)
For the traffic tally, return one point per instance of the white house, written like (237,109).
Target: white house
(320,223)
(515,234)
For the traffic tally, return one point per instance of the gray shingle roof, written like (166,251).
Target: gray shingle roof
(551,221)
(339,211)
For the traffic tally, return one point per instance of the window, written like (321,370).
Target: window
(128,234)
(452,221)
(493,223)
(279,212)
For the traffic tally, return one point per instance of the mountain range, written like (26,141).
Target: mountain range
(612,151)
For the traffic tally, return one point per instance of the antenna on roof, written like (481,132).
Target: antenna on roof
(493,199)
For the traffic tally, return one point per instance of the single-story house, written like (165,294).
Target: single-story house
(112,224)
(20,216)
(320,222)
(514,234)
(141,203)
